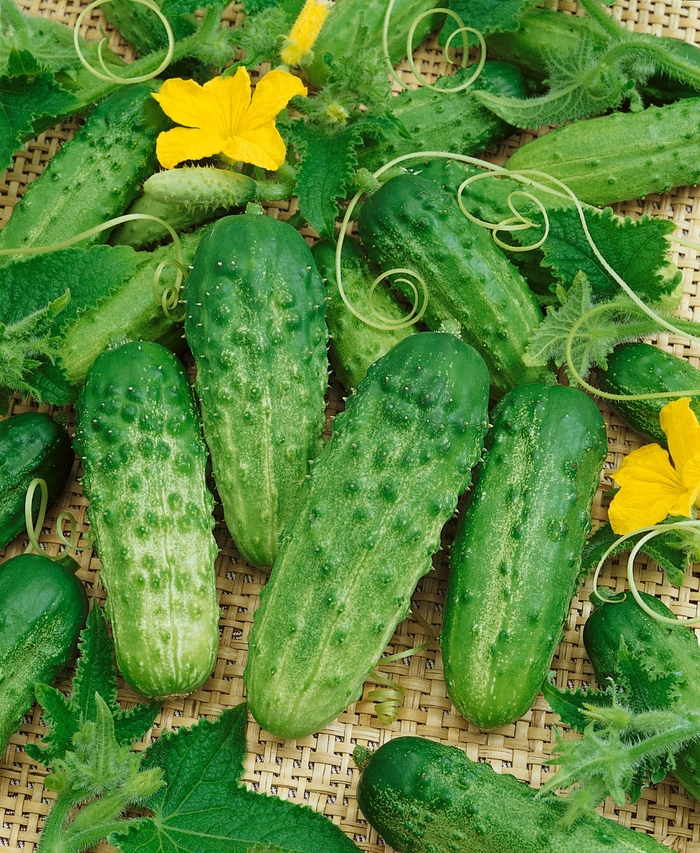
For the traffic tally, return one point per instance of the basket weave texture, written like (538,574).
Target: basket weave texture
(318,771)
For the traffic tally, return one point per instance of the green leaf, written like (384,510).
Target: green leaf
(205,809)
(23,102)
(186,7)
(326,169)
(572,705)
(486,16)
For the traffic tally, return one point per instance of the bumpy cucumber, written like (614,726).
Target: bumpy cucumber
(142,28)
(32,444)
(444,121)
(144,460)
(354,345)
(43,605)
(658,663)
(427,797)
(640,368)
(365,530)
(95,174)
(516,557)
(367,17)
(620,156)
(255,325)
(412,223)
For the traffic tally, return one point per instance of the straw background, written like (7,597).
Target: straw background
(318,771)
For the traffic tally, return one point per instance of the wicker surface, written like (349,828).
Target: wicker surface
(318,770)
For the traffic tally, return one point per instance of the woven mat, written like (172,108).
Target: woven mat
(318,771)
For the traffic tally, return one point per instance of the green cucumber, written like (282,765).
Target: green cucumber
(32,444)
(354,345)
(410,222)
(516,557)
(139,438)
(658,664)
(94,176)
(43,605)
(367,17)
(427,797)
(443,121)
(641,368)
(255,308)
(620,156)
(365,530)
(143,29)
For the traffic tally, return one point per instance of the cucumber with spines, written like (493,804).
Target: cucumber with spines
(255,308)
(365,530)
(139,437)
(410,222)
(354,345)
(516,557)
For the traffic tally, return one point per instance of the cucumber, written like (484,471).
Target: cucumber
(620,156)
(516,557)
(365,530)
(366,17)
(43,605)
(144,460)
(641,368)
(658,665)
(143,29)
(412,223)
(32,444)
(93,177)
(354,345)
(427,797)
(442,121)
(255,324)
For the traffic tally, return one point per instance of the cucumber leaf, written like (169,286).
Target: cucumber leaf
(204,808)
(572,705)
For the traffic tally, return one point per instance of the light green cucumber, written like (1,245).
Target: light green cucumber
(365,530)
(255,307)
(516,558)
(144,460)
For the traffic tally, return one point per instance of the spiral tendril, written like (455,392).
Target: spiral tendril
(34,527)
(106,74)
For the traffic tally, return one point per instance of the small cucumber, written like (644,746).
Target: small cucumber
(32,444)
(659,664)
(365,530)
(516,557)
(412,223)
(620,156)
(641,368)
(255,308)
(94,176)
(139,438)
(43,605)
(427,797)
(354,345)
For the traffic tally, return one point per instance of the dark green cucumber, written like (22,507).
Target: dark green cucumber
(139,438)
(43,605)
(658,663)
(444,121)
(640,368)
(412,223)
(32,444)
(143,29)
(365,530)
(367,17)
(620,156)
(354,344)
(95,174)
(255,325)
(516,556)
(427,797)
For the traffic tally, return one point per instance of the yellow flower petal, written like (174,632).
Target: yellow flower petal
(232,99)
(682,430)
(185,143)
(272,94)
(186,102)
(305,31)
(264,147)
(650,489)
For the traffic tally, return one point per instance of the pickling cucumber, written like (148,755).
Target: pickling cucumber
(365,530)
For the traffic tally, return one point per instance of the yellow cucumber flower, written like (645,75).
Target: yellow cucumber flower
(223,118)
(304,32)
(651,486)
